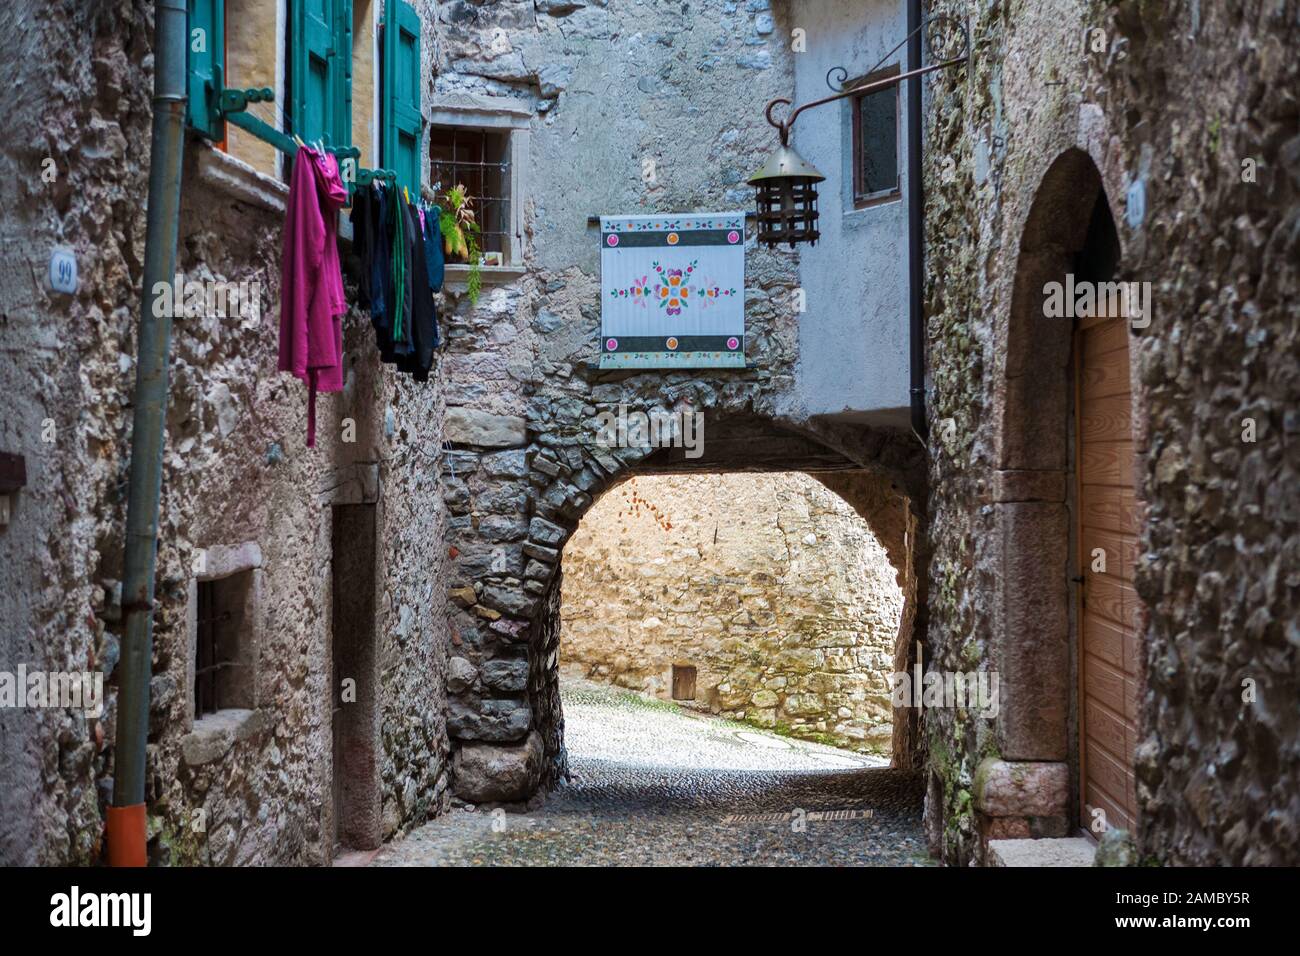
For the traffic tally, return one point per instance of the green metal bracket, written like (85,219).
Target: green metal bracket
(235,114)
(366,176)
(236,101)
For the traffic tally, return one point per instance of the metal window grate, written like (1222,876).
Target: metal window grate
(208,662)
(479,160)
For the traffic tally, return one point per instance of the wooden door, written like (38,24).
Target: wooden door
(1108,611)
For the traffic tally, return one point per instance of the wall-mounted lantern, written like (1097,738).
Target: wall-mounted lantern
(786,184)
(786,188)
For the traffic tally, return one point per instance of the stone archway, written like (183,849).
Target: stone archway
(513,509)
(1029,790)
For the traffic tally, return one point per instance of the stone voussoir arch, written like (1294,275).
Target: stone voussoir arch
(515,491)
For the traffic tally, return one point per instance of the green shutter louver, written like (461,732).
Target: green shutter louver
(321,77)
(401,142)
(312,51)
(342,91)
(205,41)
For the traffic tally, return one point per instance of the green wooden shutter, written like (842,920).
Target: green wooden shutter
(402,92)
(321,76)
(204,57)
(311,53)
(342,91)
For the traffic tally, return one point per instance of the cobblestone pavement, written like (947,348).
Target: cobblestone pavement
(653,784)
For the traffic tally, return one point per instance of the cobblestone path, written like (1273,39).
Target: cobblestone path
(656,785)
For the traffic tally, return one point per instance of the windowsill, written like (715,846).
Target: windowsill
(880,199)
(214,734)
(457,274)
(241,181)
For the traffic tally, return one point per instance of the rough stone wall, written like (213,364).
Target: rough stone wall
(770,585)
(894,521)
(235,471)
(608,86)
(1180,95)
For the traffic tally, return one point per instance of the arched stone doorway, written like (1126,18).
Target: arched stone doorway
(1033,788)
(504,713)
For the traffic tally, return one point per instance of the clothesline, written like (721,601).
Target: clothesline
(399,243)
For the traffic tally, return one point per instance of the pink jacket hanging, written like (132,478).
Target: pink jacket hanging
(311,282)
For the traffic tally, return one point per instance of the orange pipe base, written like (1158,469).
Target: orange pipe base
(126,836)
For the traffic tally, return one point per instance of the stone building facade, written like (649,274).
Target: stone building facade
(764,598)
(465,488)
(250,514)
(1149,142)
(1171,125)
(612,93)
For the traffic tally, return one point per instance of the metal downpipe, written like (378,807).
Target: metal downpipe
(915,229)
(126,816)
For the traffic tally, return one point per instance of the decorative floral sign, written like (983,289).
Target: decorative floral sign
(673,291)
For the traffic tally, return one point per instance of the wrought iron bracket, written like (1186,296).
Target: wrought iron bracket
(784,126)
(232,105)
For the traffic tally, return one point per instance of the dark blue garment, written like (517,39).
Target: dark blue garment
(363,240)
(433,261)
(381,278)
(433,247)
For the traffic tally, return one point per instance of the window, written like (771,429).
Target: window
(478,160)
(223,653)
(481,143)
(224,625)
(875,143)
(321,59)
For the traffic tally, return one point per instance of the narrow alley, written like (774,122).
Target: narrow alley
(654,784)
(648,434)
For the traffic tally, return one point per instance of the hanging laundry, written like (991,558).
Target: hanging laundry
(381,293)
(432,231)
(400,249)
(420,321)
(363,219)
(402,299)
(311,281)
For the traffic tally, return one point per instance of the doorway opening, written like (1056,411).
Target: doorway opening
(355,791)
(1105,528)
(785,604)
(1065,503)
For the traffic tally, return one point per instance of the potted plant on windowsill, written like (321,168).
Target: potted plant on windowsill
(460,238)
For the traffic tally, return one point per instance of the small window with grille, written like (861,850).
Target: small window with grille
(476,163)
(223,652)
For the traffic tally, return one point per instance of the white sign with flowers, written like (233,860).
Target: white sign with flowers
(672,291)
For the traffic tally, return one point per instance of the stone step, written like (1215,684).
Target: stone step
(1065,851)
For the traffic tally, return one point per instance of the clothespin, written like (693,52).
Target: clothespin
(407,193)
(298,139)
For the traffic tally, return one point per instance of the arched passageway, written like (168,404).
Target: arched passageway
(776,747)
(505,713)
(760,598)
